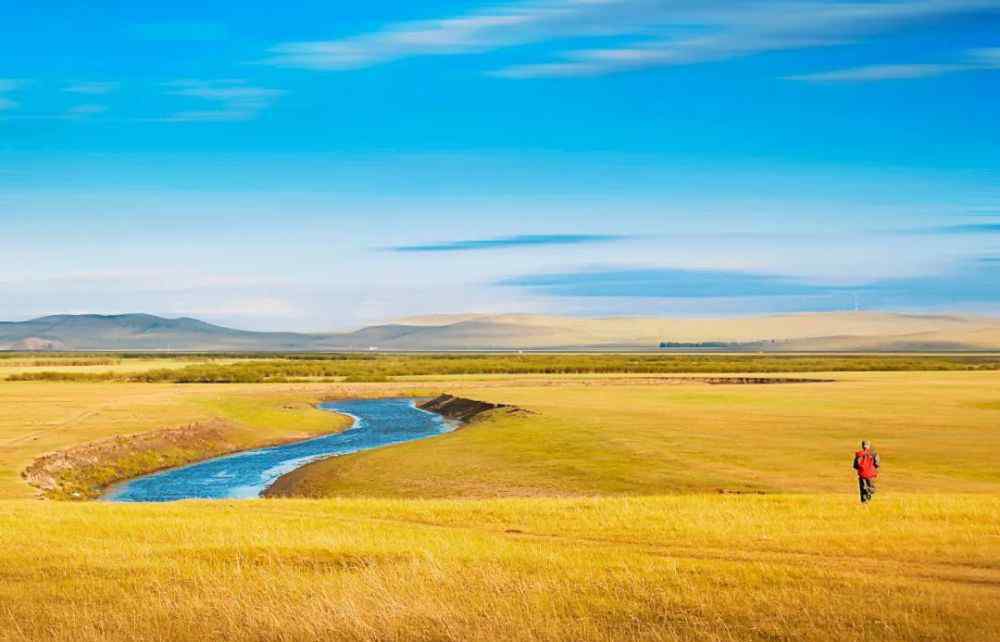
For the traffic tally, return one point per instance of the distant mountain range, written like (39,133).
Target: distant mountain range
(810,332)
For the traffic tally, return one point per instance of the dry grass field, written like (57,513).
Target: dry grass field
(43,417)
(805,331)
(595,518)
(679,568)
(938,432)
(26,364)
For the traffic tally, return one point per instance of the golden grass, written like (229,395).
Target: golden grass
(383,367)
(43,417)
(937,432)
(691,568)
(26,364)
(618,539)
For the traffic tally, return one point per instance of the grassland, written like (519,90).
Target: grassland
(701,568)
(40,418)
(377,367)
(25,365)
(596,518)
(939,432)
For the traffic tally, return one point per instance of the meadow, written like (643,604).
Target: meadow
(354,367)
(40,418)
(679,568)
(620,506)
(938,432)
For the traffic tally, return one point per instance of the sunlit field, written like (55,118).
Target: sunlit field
(706,567)
(28,365)
(938,432)
(373,367)
(613,506)
(41,417)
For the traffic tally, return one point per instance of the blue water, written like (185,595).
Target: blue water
(377,422)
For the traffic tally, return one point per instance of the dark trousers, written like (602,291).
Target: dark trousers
(867,488)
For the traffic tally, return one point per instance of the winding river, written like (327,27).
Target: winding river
(377,422)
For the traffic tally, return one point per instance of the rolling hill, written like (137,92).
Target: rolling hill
(868,331)
(137,332)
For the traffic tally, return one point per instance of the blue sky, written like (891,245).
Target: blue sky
(324,166)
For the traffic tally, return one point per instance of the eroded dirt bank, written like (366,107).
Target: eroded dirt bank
(460,408)
(85,471)
(82,472)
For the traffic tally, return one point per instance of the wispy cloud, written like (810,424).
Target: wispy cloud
(965,228)
(975,60)
(505,242)
(881,72)
(233,100)
(667,283)
(977,281)
(477,32)
(92,88)
(655,32)
(971,281)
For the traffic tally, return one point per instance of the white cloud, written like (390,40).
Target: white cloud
(662,32)
(590,62)
(92,88)
(977,59)
(881,72)
(234,100)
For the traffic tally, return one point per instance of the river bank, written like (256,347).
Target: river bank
(254,418)
(521,526)
(376,423)
(459,410)
(84,472)
(203,424)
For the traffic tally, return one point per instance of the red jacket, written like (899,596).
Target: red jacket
(866,462)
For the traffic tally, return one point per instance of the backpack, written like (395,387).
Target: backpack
(864,462)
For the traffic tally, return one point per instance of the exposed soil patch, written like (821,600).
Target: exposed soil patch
(462,409)
(749,381)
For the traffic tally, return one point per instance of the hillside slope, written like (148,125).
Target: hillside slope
(139,332)
(810,331)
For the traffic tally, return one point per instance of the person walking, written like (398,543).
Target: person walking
(866,463)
